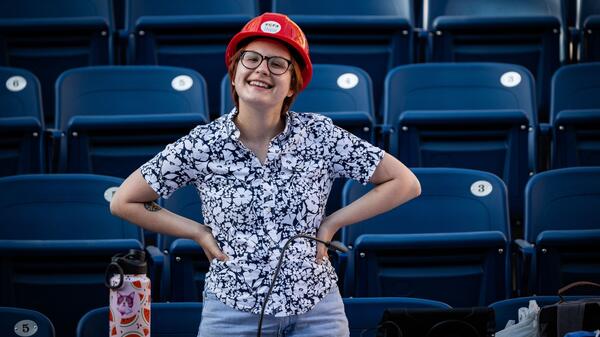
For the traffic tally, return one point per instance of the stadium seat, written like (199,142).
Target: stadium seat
(450,244)
(21,123)
(506,310)
(470,115)
(48,38)
(373,35)
(18,322)
(185,263)
(167,320)
(112,119)
(524,32)
(191,34)
(364,314)
(562,231)
(575,114)
(588,26)
(58,236)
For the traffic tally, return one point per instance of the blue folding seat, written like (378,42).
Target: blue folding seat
(168,320)
(364,314)
(48,38)
(57,237)
(451,244)
(575,113)
(373,35)
(508,309)
(524,32)
(191,34)
(562,231)
(21,123)
(185,264)
(470,115)
(18,322)
(588,26)
(112,119)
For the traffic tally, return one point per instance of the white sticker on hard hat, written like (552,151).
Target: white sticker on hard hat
(182,83)
(109,193)
(16,83)
(347,81)
(25,328)
(272,27)
(481,188)
(510,79)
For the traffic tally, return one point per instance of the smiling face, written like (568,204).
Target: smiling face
(259,88)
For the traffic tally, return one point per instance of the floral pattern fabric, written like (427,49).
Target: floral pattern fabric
(253,208)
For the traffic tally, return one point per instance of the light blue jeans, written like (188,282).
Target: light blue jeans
(327,319)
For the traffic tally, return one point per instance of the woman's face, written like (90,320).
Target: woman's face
(259,87)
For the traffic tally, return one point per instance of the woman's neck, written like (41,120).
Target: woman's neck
(259,126)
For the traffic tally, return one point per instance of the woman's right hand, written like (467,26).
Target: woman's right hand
(207,241)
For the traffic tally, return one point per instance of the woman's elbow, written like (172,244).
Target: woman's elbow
(116,205)
(416,187)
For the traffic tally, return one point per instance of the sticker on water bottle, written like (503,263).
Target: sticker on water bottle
(26,328)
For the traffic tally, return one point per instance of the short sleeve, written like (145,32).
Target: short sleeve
(175,166)
(353,157)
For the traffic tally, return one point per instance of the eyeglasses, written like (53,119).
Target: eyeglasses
(277,65)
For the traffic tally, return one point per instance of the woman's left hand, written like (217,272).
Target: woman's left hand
(326,232)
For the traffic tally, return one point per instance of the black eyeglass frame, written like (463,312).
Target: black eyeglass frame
(262,58)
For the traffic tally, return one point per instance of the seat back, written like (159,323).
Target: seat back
(116,118)
(190,34)
(470,115)
(17,322)
(575,114)
(562,220)
(186,264)
(373,35)
(57,238)
(168,320)
(48,38)
(506,310)
(21,123)
(450,244)
(527,33)
(364,314)
(588,24)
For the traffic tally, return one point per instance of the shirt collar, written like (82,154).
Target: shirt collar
(234,133)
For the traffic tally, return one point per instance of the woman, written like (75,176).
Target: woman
(264,174)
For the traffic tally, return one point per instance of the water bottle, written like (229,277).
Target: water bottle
(129,308)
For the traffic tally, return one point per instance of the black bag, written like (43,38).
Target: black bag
(461,322)
(560,318)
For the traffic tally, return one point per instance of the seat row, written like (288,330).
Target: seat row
(453,244)
(375,35)
(111,119)
(182,319)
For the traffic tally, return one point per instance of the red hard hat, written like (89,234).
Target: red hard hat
(279,27)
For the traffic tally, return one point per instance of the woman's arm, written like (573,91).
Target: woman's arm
(134,202)
(395,185)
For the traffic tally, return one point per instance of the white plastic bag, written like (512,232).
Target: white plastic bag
(528,323)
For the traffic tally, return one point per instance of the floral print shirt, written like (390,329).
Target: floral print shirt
(253,208)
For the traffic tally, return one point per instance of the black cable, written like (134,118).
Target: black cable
(331,245)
